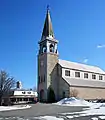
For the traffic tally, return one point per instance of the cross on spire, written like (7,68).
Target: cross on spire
(47,7)
(48,30)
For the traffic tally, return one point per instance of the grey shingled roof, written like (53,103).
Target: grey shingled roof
(48,30)
(79,66)
(85,83)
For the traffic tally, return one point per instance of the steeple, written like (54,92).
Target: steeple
(47,59)
(47,30)
(48,43)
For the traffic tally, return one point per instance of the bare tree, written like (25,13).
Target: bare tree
(6,83)
(34,89)
(74,93)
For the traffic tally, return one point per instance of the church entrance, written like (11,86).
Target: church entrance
(42,95)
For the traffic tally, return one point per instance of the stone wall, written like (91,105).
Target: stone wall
(47,67)
(42,70)
(63,86)
(52,78)
(90,93)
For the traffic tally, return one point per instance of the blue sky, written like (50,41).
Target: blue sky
(79,25)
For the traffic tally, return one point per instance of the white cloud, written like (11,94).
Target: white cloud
(100,46)
(85,60)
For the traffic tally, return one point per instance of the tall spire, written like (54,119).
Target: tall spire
(47,30)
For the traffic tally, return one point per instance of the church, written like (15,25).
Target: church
(65,78)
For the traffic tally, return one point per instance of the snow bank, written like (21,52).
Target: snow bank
(102,117)
(6,108)
(99,112)
(72,101)
(48,118)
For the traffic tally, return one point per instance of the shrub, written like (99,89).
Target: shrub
(73,93)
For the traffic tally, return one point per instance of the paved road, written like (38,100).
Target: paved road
(40,109)
(43,110)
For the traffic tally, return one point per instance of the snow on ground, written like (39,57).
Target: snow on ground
(72,101)
(48,118)
(102,117)
(6,108)
(100,113)
(94,118)
(93,109)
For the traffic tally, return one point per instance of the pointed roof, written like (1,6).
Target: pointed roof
(48,30)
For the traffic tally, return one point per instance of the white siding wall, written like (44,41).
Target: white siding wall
(26,93)
(72,75)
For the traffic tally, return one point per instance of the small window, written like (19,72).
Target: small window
(63,94)
(56,51)
(77,74)
(93,76)
(44,78)
(29,92)
(23,92)
(39,79)
(100,77)
(51,48)
(44,49)
(67,73)
(85,75)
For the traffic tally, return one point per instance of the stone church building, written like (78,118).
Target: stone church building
(65,76)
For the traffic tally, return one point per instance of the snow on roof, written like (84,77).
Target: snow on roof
(85,83)
(22,89)
(79,66)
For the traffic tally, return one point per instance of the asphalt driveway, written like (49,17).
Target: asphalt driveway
(39,110)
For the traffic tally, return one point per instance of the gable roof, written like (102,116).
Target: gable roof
(79,66)
(85,83)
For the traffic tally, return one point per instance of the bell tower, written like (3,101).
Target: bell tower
(47,59)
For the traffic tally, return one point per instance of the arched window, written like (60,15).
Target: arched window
(63,94)
(41,95)
(44,49)
(51,48)
(56,51)
(39,79)
(44,78)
